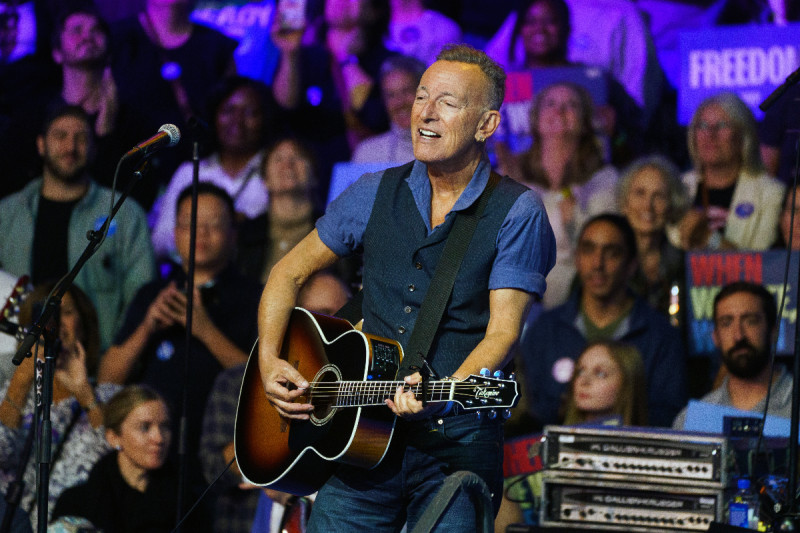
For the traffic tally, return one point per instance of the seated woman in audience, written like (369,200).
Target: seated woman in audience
(650,195)
(242,115)
(289,175)
(735,203)
(608,381)
(76,415)
(565,165)
(132,489)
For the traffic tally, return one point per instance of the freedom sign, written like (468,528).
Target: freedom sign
(750,61)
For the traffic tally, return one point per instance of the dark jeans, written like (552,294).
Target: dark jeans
(422,454)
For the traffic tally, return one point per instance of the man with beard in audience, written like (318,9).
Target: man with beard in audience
(745,317)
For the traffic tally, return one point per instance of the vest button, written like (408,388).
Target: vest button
(401,330)
(411,288)
(418,265)
(407,309)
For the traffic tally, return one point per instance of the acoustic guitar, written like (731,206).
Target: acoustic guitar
(350,374)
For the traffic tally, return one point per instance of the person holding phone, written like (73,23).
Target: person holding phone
(330,89)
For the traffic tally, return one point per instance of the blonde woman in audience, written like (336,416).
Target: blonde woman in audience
(76,416)
(133,488)
(735,203)
(565,165)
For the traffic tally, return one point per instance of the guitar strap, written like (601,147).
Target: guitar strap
(444,277)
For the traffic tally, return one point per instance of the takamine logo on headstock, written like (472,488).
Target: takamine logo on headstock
(481,392)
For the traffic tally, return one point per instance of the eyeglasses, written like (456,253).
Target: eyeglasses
(713,126)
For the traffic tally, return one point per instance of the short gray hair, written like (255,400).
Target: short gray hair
(678,198)
(496,76)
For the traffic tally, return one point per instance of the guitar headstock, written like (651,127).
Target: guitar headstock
(485,392)
(17,296)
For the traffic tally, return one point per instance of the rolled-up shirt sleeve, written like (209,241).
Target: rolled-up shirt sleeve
(526,247)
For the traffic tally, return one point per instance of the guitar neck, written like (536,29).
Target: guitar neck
(475,392)
(368,393)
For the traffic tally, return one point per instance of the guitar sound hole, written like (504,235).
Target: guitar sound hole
(323,395)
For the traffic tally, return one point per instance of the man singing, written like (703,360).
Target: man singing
(401,218)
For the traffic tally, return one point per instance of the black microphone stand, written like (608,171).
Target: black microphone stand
(788,518)
(44,428)
(198,131)
(51,306)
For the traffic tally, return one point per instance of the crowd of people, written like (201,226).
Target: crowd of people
(601,209)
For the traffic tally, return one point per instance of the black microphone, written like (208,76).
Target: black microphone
(168,135)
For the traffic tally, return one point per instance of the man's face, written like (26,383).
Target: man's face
(603,261)
(82,41)
(216,237)
(65,148)
(449,114)
(398,88)
(741,334)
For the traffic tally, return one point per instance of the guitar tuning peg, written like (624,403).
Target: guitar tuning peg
(499,374)
(512,376)
(492,414)
(485,372)
(479,414)
(506,414)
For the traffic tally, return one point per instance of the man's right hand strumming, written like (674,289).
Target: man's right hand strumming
(283,385)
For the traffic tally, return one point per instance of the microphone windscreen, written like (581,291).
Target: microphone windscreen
(173,132)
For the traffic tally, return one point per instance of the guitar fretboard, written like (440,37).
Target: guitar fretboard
(469,393)
(367,393)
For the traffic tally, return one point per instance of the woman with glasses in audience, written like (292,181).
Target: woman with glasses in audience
(735,204)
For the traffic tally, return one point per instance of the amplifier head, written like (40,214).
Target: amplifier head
(644,454)
(593,504)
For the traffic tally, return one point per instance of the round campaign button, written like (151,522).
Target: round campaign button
(745,209)
(562,369)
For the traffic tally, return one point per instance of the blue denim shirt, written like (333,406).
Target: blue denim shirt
(525,244)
